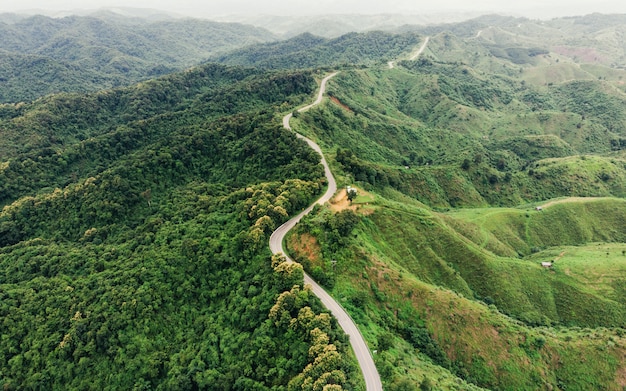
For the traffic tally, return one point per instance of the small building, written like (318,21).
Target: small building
(539,208)
(546,264)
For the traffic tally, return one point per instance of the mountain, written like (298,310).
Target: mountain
(474,169)
(42,55)
(483,249)
(133,239)
(309,51)
(335,25)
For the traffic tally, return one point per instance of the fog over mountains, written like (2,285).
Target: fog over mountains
(221,8)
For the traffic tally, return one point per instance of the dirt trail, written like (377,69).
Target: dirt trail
(392,64)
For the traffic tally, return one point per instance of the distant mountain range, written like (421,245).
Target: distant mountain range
(40,55)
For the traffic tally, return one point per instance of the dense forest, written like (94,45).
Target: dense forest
(309,51)
(136,245)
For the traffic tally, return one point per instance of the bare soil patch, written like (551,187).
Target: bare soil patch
(342,105)
(584,54)
(621,375)
(341,202)
(306,246)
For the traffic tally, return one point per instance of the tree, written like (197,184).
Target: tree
(426,385)
(466,164)
(351,194)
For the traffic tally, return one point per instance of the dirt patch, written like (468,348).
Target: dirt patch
(580,53)
(306,246)
(338,102)
(621,376)
(341,202)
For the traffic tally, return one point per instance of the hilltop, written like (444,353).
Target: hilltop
(309,51)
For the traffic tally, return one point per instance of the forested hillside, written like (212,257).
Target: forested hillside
(462,138)
(41,55)
(309,51)
(133,239)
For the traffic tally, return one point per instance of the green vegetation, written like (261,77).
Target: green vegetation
(432,289)
(482,141)
(134,222)
(309,51)
(442,268)
(133,249)
(42,55)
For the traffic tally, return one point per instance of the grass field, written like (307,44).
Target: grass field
(600,267)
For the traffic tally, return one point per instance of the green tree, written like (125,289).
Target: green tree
(351,194)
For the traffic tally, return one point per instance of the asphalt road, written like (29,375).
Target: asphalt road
(360,348)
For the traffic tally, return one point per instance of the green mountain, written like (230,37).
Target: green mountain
(472,139)
(484,248)
(41,55)
(447,302)
(335,25)
(470,176)
(133,241)
(309,51)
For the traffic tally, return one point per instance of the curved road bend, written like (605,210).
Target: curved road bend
(360,348)
(391,64)
(421,49)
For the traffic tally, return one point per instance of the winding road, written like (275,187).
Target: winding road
(414,57)
(420,50)
(360,348)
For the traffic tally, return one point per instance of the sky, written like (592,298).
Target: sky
(216,8)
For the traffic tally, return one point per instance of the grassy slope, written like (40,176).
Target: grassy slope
(402,255)
(524,144)
(518,141)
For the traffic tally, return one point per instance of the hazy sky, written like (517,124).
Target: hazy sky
(208,8)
